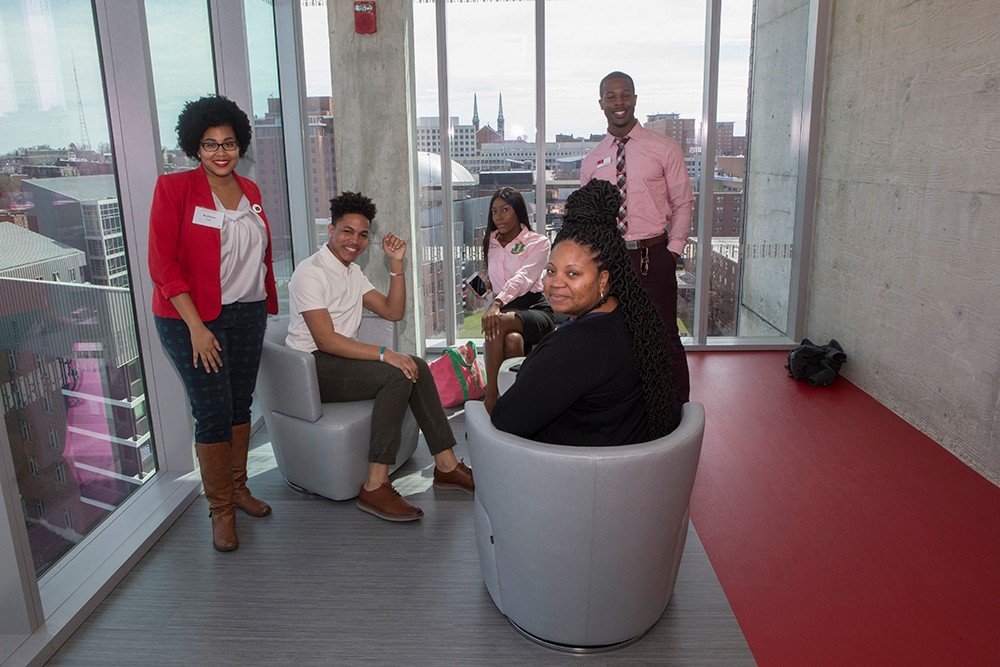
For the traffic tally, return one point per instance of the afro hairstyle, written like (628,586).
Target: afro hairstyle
(211,111)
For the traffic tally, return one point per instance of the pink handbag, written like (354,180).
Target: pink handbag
(459,375)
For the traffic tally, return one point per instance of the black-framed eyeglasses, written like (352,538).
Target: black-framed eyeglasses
(212,146)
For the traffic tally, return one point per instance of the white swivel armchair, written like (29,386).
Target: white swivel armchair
(579,546)
(320,448)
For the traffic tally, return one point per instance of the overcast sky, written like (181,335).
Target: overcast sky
(38,101)
(490,49)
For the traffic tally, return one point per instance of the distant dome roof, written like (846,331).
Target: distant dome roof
(429,165)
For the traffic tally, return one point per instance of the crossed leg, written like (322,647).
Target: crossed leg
(508,343)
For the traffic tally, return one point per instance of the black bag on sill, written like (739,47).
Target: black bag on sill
(818,365)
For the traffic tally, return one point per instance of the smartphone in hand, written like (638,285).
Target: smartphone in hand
(478,285)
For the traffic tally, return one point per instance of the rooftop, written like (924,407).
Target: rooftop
(23,247)
(80,188)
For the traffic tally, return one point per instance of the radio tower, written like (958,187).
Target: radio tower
(79,103)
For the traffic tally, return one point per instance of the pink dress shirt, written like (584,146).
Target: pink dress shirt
(516,269)
(656,181)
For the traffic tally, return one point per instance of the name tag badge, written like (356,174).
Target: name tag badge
(206,217)
(604,162)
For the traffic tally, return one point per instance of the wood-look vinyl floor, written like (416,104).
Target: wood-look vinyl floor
(322,583)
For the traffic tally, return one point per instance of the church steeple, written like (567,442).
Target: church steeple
(475,111)
(500,119)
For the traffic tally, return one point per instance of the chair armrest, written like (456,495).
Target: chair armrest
(287,380)
(377,331)
(506,377)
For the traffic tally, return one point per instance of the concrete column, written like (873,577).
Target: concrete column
(373,93)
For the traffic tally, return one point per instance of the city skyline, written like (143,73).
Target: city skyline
(571,85)
(50,44)
(665,60)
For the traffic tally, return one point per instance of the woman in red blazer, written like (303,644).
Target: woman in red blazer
(210,261)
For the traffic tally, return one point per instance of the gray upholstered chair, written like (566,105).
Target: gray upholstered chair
(506,376)
(320,448)
(579,546)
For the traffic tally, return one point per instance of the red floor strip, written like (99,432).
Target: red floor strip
(841,535)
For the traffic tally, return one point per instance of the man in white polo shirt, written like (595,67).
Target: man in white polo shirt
(327,293)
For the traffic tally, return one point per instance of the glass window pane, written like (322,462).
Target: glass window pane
(664,55)
(268,150)
(319,146)
(492,142)
(180,47)
(779,79)
(72,391)
(495,147)
(730,169)
(431,240)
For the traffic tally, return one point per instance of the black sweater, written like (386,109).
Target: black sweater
(578,386)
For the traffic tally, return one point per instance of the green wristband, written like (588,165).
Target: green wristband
(381,354)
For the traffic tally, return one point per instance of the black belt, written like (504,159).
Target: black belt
(646,243)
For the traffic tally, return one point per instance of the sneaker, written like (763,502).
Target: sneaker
(386,503)
(459,478)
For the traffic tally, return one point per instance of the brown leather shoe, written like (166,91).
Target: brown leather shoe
(386,503)
(459,478)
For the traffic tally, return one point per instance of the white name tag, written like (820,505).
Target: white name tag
(206,217)
(604,162)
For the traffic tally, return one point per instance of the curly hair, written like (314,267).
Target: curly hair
(516,201)
(590,221)
(211,111)
(351,202)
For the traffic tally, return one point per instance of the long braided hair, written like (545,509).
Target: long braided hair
(590,221)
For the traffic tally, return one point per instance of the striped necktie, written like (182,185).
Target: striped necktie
(620,169)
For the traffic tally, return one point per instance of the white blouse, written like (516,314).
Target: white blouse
(244,240)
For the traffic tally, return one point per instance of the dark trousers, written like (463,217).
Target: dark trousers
(343,379)
(660,282)
(220,400)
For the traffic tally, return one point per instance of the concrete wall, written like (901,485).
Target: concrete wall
(373,122)
(906,269)
(772,174)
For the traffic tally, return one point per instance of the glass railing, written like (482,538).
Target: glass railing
(73,402)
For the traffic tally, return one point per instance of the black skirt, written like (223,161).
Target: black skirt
(535,313)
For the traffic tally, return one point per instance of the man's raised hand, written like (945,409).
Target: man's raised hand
(394,247)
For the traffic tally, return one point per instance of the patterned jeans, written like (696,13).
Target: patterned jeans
(219,400)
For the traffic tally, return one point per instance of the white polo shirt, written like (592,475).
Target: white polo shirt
(323,282)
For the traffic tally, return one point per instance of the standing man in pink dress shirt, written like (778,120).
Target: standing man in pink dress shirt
(649,170)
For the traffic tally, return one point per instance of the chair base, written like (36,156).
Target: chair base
(298,488)
(578,650)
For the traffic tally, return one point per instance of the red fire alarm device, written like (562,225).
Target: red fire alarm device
(364,18)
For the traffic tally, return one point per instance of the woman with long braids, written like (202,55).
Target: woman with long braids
(603,377)
(518,317)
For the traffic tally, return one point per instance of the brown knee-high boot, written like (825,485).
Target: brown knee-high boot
(217,476)
(241,494)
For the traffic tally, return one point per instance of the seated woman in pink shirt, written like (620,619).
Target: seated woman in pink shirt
(515,258)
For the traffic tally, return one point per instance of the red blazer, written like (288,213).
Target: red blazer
(185,257)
